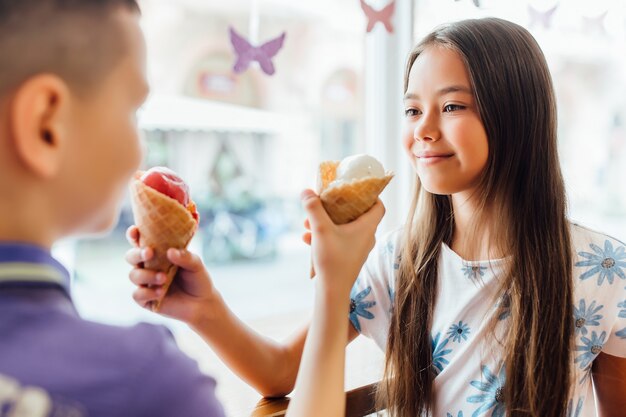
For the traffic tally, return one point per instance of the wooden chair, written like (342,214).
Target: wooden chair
(359,402)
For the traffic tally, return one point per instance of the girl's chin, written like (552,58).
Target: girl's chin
(437,188)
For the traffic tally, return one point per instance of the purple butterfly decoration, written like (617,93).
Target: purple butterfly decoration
(476,2)
(542,18)
(383,16)
(595,24)
(247,53)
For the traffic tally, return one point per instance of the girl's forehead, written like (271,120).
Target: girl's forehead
(438,67)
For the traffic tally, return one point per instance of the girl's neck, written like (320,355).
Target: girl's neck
(470,240)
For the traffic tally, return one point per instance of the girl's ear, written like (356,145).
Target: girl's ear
(38,123)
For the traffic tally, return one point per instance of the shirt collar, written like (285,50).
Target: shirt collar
(22,263)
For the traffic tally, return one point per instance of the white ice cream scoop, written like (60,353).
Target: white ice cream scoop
(356,167)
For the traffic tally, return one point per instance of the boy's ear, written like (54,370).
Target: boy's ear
(38,123)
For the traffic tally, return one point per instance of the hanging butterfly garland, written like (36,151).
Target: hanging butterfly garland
(543,18)
(476,2)
(595,24)
(383,16)
(247,51)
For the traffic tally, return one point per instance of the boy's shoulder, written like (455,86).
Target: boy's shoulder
(170,381)
(143,353)
(138,344)
(139,369)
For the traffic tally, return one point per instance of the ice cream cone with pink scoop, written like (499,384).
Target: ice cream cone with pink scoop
(165,216)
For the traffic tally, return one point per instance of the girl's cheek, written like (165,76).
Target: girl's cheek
(409,151)
(407,138)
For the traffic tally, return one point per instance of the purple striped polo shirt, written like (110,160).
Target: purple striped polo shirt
(53,363)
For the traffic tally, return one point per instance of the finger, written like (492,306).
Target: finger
(378,211)
(370,218)
(136,256)
(307,224)
(306,238)
(144,295)
(145,277)
(132,235)
(185,259)
(317,216)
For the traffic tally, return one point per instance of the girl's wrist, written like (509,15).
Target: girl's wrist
(332,290)
(207,311)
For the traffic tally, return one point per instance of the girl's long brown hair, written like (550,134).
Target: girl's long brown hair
(522,187)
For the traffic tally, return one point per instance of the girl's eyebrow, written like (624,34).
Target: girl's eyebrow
(442,92)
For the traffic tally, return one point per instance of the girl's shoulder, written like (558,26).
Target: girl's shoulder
(599,262)
(587,240)
(389,243)
(599,308)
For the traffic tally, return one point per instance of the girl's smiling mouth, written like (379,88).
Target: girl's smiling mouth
(432,157)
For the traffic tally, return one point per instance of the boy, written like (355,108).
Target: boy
(71,79)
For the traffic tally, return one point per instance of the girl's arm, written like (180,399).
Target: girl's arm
(268,366)
(609,380)
(339,252)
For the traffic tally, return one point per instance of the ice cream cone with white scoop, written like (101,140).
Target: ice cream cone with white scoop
(351,187)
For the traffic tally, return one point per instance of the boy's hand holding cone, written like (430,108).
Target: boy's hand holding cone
(165,216)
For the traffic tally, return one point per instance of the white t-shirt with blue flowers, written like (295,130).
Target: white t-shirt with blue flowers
(469,371)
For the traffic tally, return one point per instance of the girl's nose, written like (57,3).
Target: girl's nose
(426,131)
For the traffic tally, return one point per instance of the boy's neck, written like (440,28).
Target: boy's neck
(26,225)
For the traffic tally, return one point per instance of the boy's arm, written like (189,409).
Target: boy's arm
(609,380)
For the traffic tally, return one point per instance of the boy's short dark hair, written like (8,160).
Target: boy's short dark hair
(78,40)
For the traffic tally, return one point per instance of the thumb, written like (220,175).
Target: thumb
(185,259)
(314,209)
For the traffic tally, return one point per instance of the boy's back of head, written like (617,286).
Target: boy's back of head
(72,76)
(75,39)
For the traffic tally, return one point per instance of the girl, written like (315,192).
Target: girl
(489,302)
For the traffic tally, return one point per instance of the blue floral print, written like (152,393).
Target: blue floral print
(571,412)
(439,353)
(389,247)
(590,349)
(458,331)
(452,415)
(396,264)
(474,272)
(622,315)
(359,307)
(492,394)
(606,263)
(504,306)
(586,374)
(586,316)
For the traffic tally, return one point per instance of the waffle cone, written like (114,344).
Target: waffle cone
(163,223)
(347,202)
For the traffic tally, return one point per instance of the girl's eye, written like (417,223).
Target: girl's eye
(453,107)
(411,112)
